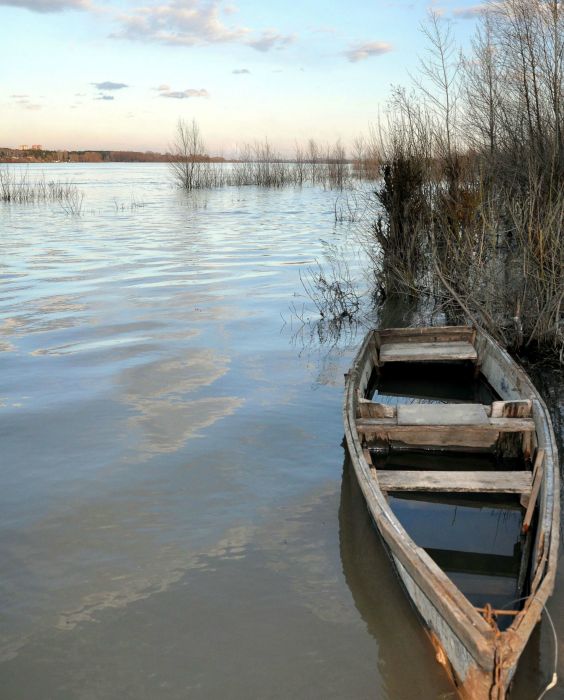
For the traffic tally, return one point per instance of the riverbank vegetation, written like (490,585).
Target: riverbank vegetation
(260,164)
(471,204)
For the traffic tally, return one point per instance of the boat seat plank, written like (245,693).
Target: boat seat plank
(442,414)
(460,482)
(427,352)
(390,426)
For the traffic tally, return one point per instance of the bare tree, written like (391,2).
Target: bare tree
(482,89)
(189,166)
(314,155)
(337,170)
(439,81)
(300,165)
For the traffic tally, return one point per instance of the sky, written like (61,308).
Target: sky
(118,74)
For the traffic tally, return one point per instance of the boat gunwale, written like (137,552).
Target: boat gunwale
(549,512)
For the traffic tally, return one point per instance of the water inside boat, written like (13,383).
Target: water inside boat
(413,382)
(475,538)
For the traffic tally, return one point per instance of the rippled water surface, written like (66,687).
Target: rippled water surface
(177,516)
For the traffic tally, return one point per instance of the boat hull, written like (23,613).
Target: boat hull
(479,658)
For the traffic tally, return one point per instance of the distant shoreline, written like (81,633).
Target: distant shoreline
(43,156)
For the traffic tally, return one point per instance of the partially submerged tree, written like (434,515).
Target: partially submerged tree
(189,163)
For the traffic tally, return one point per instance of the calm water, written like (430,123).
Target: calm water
(177,515)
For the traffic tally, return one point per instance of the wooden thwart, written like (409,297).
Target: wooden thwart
(429,335)
(442,414)
(391,427)
(427,352)
(459,482)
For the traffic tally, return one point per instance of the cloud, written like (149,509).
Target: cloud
(192,23)
(241,71)
(470,12)
(105,97)
(108,85)
(185,94)
(163,87)
(371,48)
(24,101)
(45,6)
(269,40)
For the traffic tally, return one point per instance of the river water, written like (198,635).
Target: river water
(178,518)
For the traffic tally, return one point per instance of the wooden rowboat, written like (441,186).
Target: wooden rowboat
(478,644)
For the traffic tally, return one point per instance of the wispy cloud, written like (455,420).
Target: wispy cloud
(241,71)
(25,102)
(184,94)
(361,52)
(48,5)
(269,40)
(109,85)
(471,12)
(163,87)
(192,23)
(105,97)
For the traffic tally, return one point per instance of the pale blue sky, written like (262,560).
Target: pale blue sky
(118,74)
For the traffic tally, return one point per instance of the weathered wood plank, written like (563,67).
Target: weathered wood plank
(442,414)
(432,334)
(427,352)
(372,409)
(437,437)
(451,482)
(538,472)
(511,409)
(493,425)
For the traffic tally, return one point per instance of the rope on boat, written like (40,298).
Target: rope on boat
(489,615)
(554,679)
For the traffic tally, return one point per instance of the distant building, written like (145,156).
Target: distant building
(24,148)
(37,147)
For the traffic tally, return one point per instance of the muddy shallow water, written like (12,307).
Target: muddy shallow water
(177,514)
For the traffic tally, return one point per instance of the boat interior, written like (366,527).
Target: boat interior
(458,466)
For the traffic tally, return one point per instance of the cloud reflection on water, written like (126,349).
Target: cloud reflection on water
(161,395)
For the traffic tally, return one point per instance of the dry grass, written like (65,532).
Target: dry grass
(16,187)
